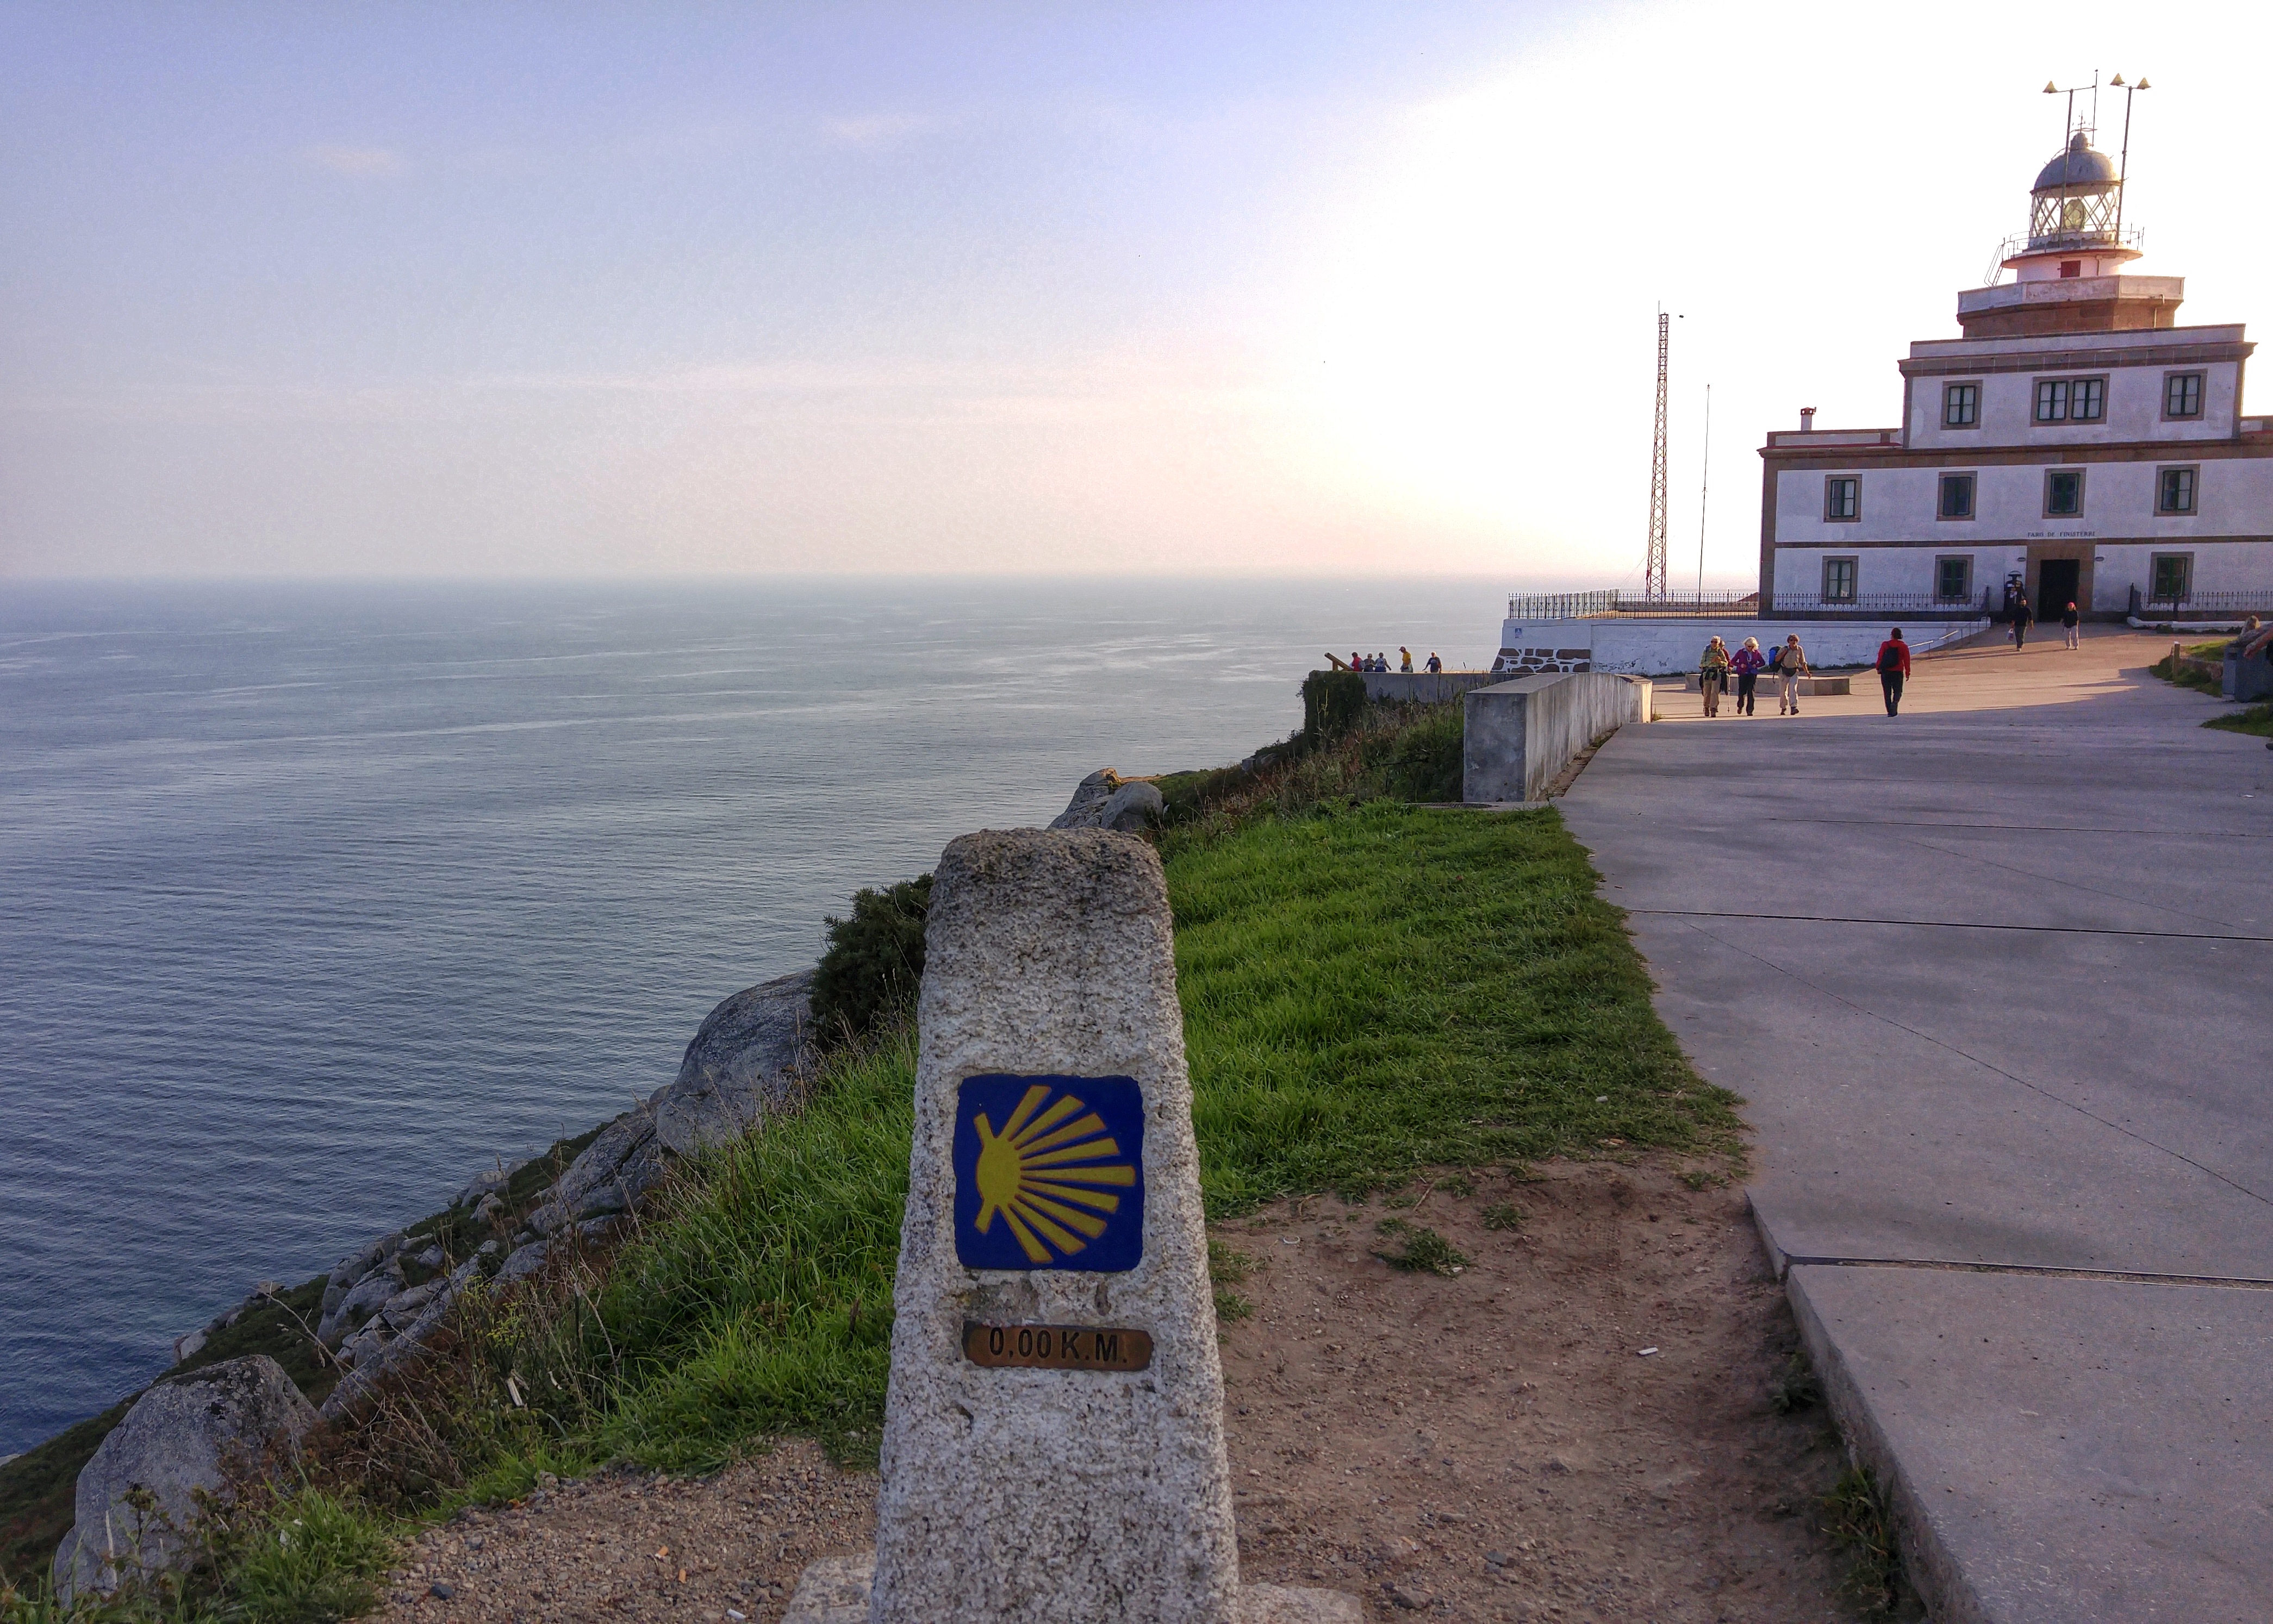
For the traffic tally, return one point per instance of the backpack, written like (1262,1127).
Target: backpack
(1890,658)
(1775,660)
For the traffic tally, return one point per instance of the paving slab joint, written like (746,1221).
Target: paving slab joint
(835,1591)
(1932,1569)
(1779,1260)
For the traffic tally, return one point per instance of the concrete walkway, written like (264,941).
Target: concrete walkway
(1996,978)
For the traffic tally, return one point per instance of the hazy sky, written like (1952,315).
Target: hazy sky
(557,289)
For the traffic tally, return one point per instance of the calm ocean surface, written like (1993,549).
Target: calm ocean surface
(314,900)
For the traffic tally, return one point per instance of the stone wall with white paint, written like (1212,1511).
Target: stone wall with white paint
(1642,648)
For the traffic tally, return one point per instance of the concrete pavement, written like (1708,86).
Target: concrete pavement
(1996,978)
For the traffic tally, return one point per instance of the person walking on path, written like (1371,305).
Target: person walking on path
(1790,666)
(1407,656)
(1894,663)
(2071,624)
(1746,662)
(2022,619)
(1435,666)
(1712,674)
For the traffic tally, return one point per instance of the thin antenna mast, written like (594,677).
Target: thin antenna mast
(1654,587)
(1704,490)
(2123,173)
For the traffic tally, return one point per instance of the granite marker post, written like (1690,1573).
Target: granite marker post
(1053,1443)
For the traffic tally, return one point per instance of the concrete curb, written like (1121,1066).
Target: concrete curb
(1933,1570)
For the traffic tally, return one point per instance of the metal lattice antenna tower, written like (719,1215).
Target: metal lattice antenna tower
(1654,584)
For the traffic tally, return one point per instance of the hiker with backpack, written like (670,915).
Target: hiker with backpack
(1894,667)
(1790,665)
(1712,674)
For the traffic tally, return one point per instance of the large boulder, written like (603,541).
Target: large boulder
(741,1067)
(622,1156)
(211,1431)
(1104,800)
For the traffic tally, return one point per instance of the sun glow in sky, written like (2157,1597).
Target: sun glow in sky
(1254,287)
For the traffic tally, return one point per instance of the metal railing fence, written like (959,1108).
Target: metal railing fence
(1601,605)
(1882,603)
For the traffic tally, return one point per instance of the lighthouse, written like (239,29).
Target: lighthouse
(2067,271)
(2076,444)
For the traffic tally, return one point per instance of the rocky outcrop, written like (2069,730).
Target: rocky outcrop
(210,1432)
(385,1302)
(742,1067)
(387,1299)
(615,1170)
(404,1325)
(1104,800)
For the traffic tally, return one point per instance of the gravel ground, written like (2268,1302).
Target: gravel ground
(1493,1444)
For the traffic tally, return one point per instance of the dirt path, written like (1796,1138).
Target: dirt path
(1495,1444)
(1491,1444)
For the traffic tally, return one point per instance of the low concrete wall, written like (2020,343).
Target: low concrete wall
(2247,679)
(1519,734)
(1423,687)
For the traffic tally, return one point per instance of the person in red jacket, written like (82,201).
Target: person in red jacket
(1894,663)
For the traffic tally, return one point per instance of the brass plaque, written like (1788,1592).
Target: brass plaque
(1057,1347)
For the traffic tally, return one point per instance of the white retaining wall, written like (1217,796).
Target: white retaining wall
(1660,648)
(1519,734)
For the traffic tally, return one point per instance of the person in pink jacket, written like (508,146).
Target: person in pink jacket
(1747,662)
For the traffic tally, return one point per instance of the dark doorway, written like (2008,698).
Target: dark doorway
(2059,581)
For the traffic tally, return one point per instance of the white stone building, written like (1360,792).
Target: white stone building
(2076,440)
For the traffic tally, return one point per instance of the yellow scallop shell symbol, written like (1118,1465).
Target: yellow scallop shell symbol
(1044,1178)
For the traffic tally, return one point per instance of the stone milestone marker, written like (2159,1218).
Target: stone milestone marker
(1053,1443)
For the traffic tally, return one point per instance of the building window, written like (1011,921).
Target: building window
(1956,496)
(1839,580)
(2071,400)
(2170,579)
(2063,492)
(2174,490)
(2070,268)
(1961,405)
(2182,394)
(1842,497)
(1953,578)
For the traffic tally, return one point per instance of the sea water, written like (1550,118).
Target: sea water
(316,900)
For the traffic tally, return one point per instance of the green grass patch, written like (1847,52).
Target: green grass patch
(2256,719)
(760,1301)
(1370,992)
(1859,1518)
(1422,1251)
(2201,668)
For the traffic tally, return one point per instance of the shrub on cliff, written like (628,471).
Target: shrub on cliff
(1424,764)
(1332,701)
(874,961)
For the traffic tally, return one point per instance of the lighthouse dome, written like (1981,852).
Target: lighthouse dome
(2079,168)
